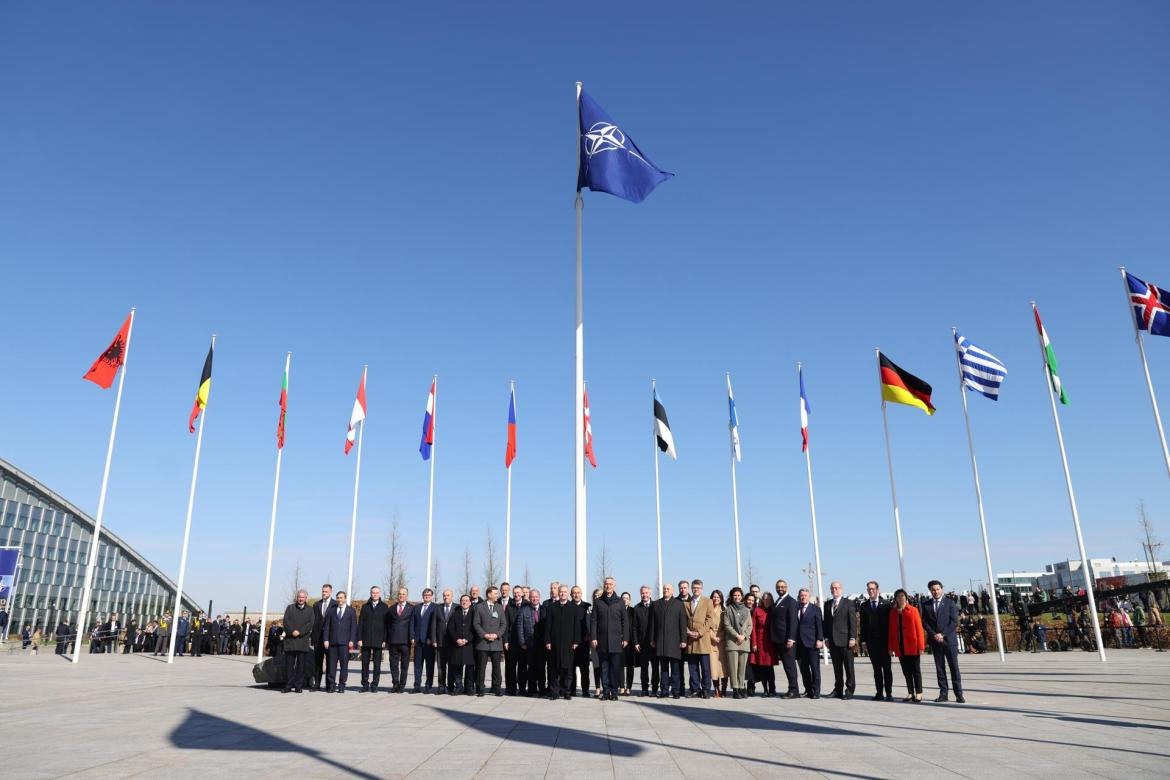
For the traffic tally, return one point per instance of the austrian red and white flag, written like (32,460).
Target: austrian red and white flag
(358,415)
(589,434)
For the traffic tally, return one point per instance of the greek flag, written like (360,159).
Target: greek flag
(982,371)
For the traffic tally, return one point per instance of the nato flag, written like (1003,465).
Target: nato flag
(610,160)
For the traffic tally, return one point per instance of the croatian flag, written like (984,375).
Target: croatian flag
(428,426)
(358,415)
(510,451)
(804,413)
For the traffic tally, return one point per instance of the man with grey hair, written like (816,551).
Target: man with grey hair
(810,637)
(840,621)
(298,628)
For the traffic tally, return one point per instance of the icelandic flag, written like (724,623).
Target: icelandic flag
(1151,306)
(805,410)
(733,423)
(428,426)
(510,450)
(610,160)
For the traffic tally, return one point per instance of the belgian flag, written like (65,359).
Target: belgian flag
(901,387)
(204,390)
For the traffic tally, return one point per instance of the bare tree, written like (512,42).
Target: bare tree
(604,566)
(396,576)
(491,563)
(527,576)
(751,575)
(1151,547)
(295,583)
(466,570)
(435,585)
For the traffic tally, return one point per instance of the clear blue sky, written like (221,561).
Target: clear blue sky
(392,184)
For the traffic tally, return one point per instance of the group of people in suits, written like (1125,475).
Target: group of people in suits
(538,647)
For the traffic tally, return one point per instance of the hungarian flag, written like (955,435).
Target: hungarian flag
(901,387)
(358,415)
(1049,358)
(105,368)
(283,411)
(510,450)
(588,433)
(203,391)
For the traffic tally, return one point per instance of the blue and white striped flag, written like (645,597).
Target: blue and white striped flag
(733,423)
(982,371)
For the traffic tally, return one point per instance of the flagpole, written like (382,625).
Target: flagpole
(734,498)
(508,514)
(1072,500)
(357,476)
(812,508)
(979,502)
(579,527)
(1137,335)
(893,485)
(657,504)
(187,534)
(271,531)
(91,566)
(434,452)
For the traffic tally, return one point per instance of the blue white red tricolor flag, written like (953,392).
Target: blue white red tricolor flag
(805,410)
(428,426)
(1151,306)
(510,450)
(733,422)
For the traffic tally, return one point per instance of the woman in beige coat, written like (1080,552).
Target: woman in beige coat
(718,675)
(737,641)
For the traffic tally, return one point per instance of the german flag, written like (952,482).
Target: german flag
(204,390)
(902,387)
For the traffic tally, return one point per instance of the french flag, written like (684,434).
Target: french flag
(428,426)
(510,451)
(804,412)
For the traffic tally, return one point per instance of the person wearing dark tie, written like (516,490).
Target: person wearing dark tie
(875,638)
(700,622)
(607,632)
(554,589)
(441,614)
(535,644)
(299,619)
(521,640)
(562,636)
(810,637)
(423,641)
(316,672)
(841,633)
(460,636)
(782,628)
(643,635)
(371,628)
(398,641)
(940,620)
(668,639)
(515,659)
(489,625)
(581,659)
(339,636)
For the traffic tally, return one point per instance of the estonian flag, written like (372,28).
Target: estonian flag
(662,429)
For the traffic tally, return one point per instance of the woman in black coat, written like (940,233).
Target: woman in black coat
(461,643)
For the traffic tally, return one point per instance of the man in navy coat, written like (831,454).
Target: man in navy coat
(339,637)
(940,622)
(398,639)
(782,627)
(423,641)
(810,637)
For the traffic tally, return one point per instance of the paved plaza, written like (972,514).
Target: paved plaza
(1048,715)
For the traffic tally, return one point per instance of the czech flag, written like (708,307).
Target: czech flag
(805,409)
(510,451)
(428,426)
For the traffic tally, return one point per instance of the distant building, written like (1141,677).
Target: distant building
(1062,574)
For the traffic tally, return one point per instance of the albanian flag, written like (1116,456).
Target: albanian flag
(105,368)
(203,392)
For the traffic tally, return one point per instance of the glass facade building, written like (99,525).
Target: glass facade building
(54,537)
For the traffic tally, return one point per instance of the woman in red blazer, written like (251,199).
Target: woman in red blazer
(908,642)
(762,657)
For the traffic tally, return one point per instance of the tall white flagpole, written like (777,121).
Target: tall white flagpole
(893,485)
(187,534)
(434,453)
(979,502)
(657,504)
(734,494)
(508,512)
(91,564)
(357,477)
(579,527)
(1072,499)
(271,531)
(812,508)
(1137,335)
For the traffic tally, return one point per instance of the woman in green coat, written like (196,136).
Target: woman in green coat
(737,640)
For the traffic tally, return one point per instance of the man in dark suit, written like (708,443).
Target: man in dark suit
(643,635)
(875,638)
(423,641)
(338,636)
(562,635)
(490,627)
(810,637)
(131,632)
(608,631)
(371,627)
(551,670)
(515,655)
(398,640)
(841,633)
(109,633)
(317,671)
(940,622)
(668,638)
(581,660)
(782,628)
(439,617)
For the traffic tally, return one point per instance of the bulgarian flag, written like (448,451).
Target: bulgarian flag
(1049,358)
(283,409)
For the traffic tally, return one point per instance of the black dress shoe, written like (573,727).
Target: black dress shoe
(889,697)
(877,697)
(674,696)
(703,695)
(328,689)
(567,697)
(836,695)
(942,697)
(792,695)
(815,696)
(341,689)
(959,698)
(847,696)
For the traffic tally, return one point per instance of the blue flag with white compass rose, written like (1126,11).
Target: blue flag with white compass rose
(610,160)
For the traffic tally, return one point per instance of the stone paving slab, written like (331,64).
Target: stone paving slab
(1056,715)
